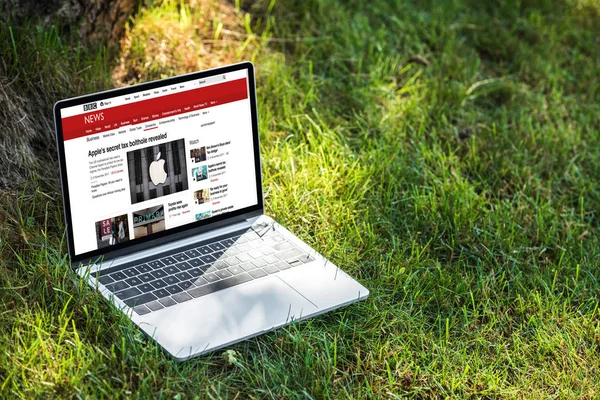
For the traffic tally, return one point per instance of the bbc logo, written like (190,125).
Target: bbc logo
(91,106)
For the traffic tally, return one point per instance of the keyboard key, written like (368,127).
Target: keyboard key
(181,297)
(257,244)
(270,259)
(204,250)
(211,277)
(105,280)
(182,276)
(167,302)
(220,265)
(250,235)
(291,253)
(174,289)
(199,281)
(231,261)
(294,262)
(196,262)
(306,259)
(192,253)
(161,293)
(216,246)
(180,257)
(211,269)
(133,281)
(282,265)
(217,254)
(259,262)
(146,288)
(146,277)
(248,266)
(283,246)
(155,264)
(136,301)
(171,280)
(143,268)
(183,266)
(243,248)
(227,242)
(187,284)
(141,310)
(223,274)
(127,293)
(208,259)
(244,257)
(118,276)
(131,272)
(267,250)
(268,232)
(234,270)
(255,254)
(277,238)
(257,273)
(195,272)
(171,270)
(117,286)
(220,285)
(271,269)
(168,261)
(232,251)
(159,273)
(155,305)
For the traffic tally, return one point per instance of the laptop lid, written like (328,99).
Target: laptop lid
(148,164)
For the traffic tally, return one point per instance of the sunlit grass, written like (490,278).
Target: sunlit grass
(443,153)
(174,38)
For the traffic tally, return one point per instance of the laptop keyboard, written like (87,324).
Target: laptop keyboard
(174,278)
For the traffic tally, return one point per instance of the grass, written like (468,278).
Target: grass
(444,153)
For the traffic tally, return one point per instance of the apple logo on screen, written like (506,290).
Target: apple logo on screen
(157,171)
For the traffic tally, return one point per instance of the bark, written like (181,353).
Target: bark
(97,22)
(26,128)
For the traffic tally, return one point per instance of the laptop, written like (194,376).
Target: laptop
(164,213)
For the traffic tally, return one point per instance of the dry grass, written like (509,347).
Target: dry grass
(18,152)
(177,38)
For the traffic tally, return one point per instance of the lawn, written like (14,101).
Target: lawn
(444,153)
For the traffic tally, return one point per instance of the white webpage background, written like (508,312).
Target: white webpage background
(232,123)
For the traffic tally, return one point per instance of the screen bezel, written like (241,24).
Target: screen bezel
(179,232)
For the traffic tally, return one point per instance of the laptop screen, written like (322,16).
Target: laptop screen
(140,163)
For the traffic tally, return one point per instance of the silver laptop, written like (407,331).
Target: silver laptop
(164,213)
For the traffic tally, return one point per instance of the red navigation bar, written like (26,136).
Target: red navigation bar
(152,109)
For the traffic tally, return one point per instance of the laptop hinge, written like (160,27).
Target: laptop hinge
(137,255)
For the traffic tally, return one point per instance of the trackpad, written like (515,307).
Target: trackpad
(226,316)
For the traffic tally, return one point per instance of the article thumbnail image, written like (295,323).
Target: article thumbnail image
(203,215)
(202,196)
(148,221)
(200,173)
(112,231)
(198,155)
(157,171)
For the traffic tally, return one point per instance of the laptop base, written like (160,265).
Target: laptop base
(245,309)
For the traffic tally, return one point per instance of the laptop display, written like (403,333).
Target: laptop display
(144,161)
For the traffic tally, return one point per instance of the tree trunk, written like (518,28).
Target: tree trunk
(26,129)
(97,22)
